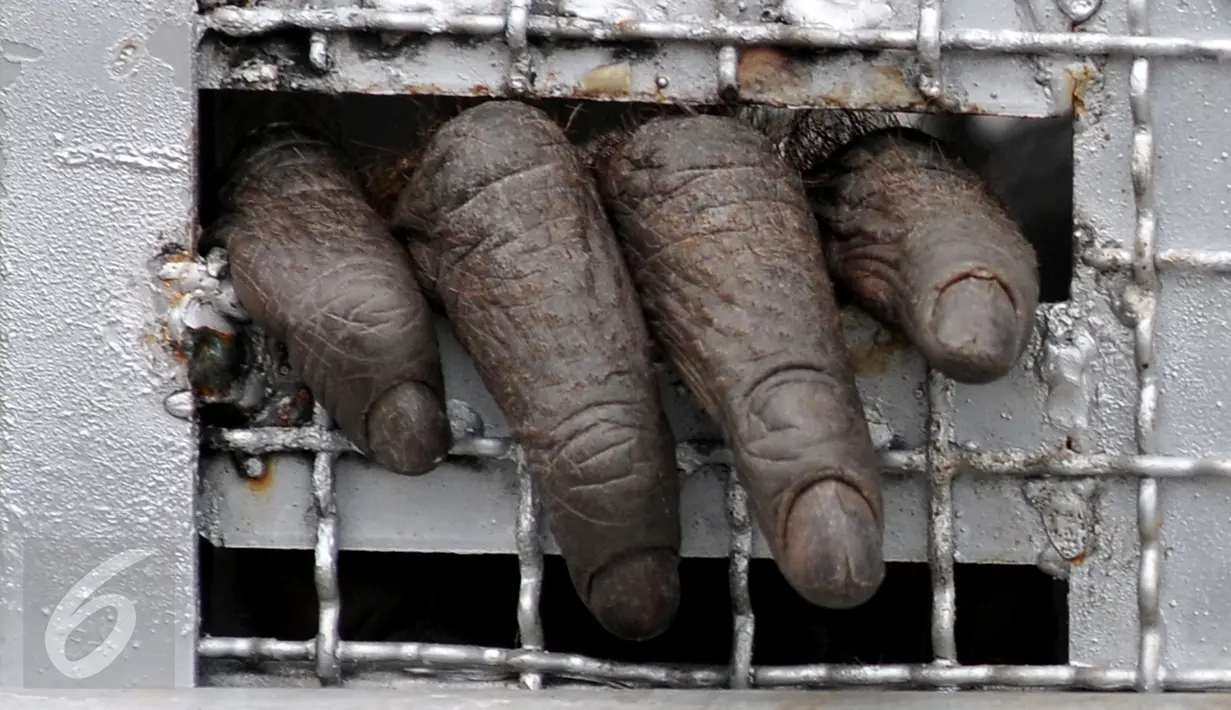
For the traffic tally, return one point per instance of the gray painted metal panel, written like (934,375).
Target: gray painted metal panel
(97,138)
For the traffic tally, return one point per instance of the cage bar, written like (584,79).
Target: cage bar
(1010,462)
(530,566)
(516,38)
(516,661)
(1145,275)
(249,22)
(927,38)
(940,518)
(329,600)
(740,523)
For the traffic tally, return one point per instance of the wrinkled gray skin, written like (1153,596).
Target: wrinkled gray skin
(1029,165)
(510,236)
(917,237)
(318,269)
(725,253)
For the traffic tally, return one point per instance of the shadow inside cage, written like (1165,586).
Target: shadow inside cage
(1006,614)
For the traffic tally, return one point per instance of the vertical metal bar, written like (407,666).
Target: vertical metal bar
(1144,302)
(940,518)
(318,51)
(519,79)
(940,410)
(928,37)
(741,600)
(728,57)
(530,562)
(328,667)
(318,42)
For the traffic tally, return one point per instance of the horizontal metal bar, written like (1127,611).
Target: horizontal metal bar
(247,22)
(571,699)
(272,440)
(441,656)
(514,661)
(1115,259)
(1005,463)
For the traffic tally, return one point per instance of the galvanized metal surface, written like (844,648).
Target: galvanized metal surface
(97,139)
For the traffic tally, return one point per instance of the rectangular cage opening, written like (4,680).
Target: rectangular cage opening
(471,610)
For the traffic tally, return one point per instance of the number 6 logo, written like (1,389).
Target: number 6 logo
(77,606)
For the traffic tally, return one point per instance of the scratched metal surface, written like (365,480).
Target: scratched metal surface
(97,137)
(672,71)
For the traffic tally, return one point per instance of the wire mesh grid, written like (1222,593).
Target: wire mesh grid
(940,460)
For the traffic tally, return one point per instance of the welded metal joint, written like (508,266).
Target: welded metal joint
(520,77)
(318,52)
(1067,511)
(928,41)
(728,57)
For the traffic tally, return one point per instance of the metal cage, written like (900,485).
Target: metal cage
(1067,462)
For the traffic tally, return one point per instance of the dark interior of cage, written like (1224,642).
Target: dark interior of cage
(1006,614)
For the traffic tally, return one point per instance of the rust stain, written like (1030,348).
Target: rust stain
(764,70)
(1080,77)
(481,90)
(607,80)
(262,484)
(875,357)
(840,96)
(423,89)
(1080,558)
(890,87)
(770,77)
(287,415)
